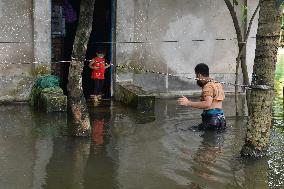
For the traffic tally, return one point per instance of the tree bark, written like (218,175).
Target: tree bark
(267,43)
(76,98)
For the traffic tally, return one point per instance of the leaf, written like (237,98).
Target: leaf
(237,3)
(244,13)
(245,8)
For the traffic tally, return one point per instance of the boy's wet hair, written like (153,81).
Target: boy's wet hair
(202,69)
(100,52)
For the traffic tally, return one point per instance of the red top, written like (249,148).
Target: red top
(99,73)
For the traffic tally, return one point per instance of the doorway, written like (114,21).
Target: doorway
(100,39)
(102,35)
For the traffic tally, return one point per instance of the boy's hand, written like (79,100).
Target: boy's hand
(183,101)
(108,65)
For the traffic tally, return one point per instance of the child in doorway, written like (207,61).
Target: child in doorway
(212,96)
(98,65)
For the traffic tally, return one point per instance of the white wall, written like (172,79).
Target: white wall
(153,21)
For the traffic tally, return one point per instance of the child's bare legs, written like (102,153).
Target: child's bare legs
(99,96)
(98,85)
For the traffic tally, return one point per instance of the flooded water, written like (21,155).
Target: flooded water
(130,149)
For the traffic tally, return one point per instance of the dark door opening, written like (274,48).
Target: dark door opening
(64,21)
(101,35)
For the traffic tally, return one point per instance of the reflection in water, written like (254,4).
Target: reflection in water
(211,146)
(276,151)
(276,160)
(83,162)
(97,133)
(100,170)
(255,174)
(44,149)
(67,163)
(130,149)
(205,157)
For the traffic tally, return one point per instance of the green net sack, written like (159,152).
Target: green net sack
(47,81)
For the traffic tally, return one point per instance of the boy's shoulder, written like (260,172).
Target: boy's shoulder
(213,84)
(214,89)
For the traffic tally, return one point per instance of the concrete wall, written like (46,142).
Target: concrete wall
(16,43)
(24,38)
(251,43)
(185,21)
(42,31)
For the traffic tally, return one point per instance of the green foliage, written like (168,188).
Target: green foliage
(132,67)
(279,3)
(53,90)
(53,100)
(136,68)
(282,32)
(244,10)
(34,96)
(40,69)
(278,106)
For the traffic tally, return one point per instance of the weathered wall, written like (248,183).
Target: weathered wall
(16,43)
(42,30)
(24,38)
(184,21)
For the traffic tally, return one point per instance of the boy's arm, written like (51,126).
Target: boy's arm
(93,67)
(91,64)
(200,105)
(107,65)
(96,68)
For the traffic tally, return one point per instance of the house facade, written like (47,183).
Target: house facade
(161,35)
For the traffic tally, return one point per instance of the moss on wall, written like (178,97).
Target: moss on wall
(134,96)
(133,67)
(23,89)
(40,70)
(53,100)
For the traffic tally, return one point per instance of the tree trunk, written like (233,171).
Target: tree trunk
(267,43)
(243,58)
(242,40)
(76,98)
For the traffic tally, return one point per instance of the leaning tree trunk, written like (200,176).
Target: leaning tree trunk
(267,43)
(76,98)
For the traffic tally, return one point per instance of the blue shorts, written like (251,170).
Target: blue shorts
(213,119)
